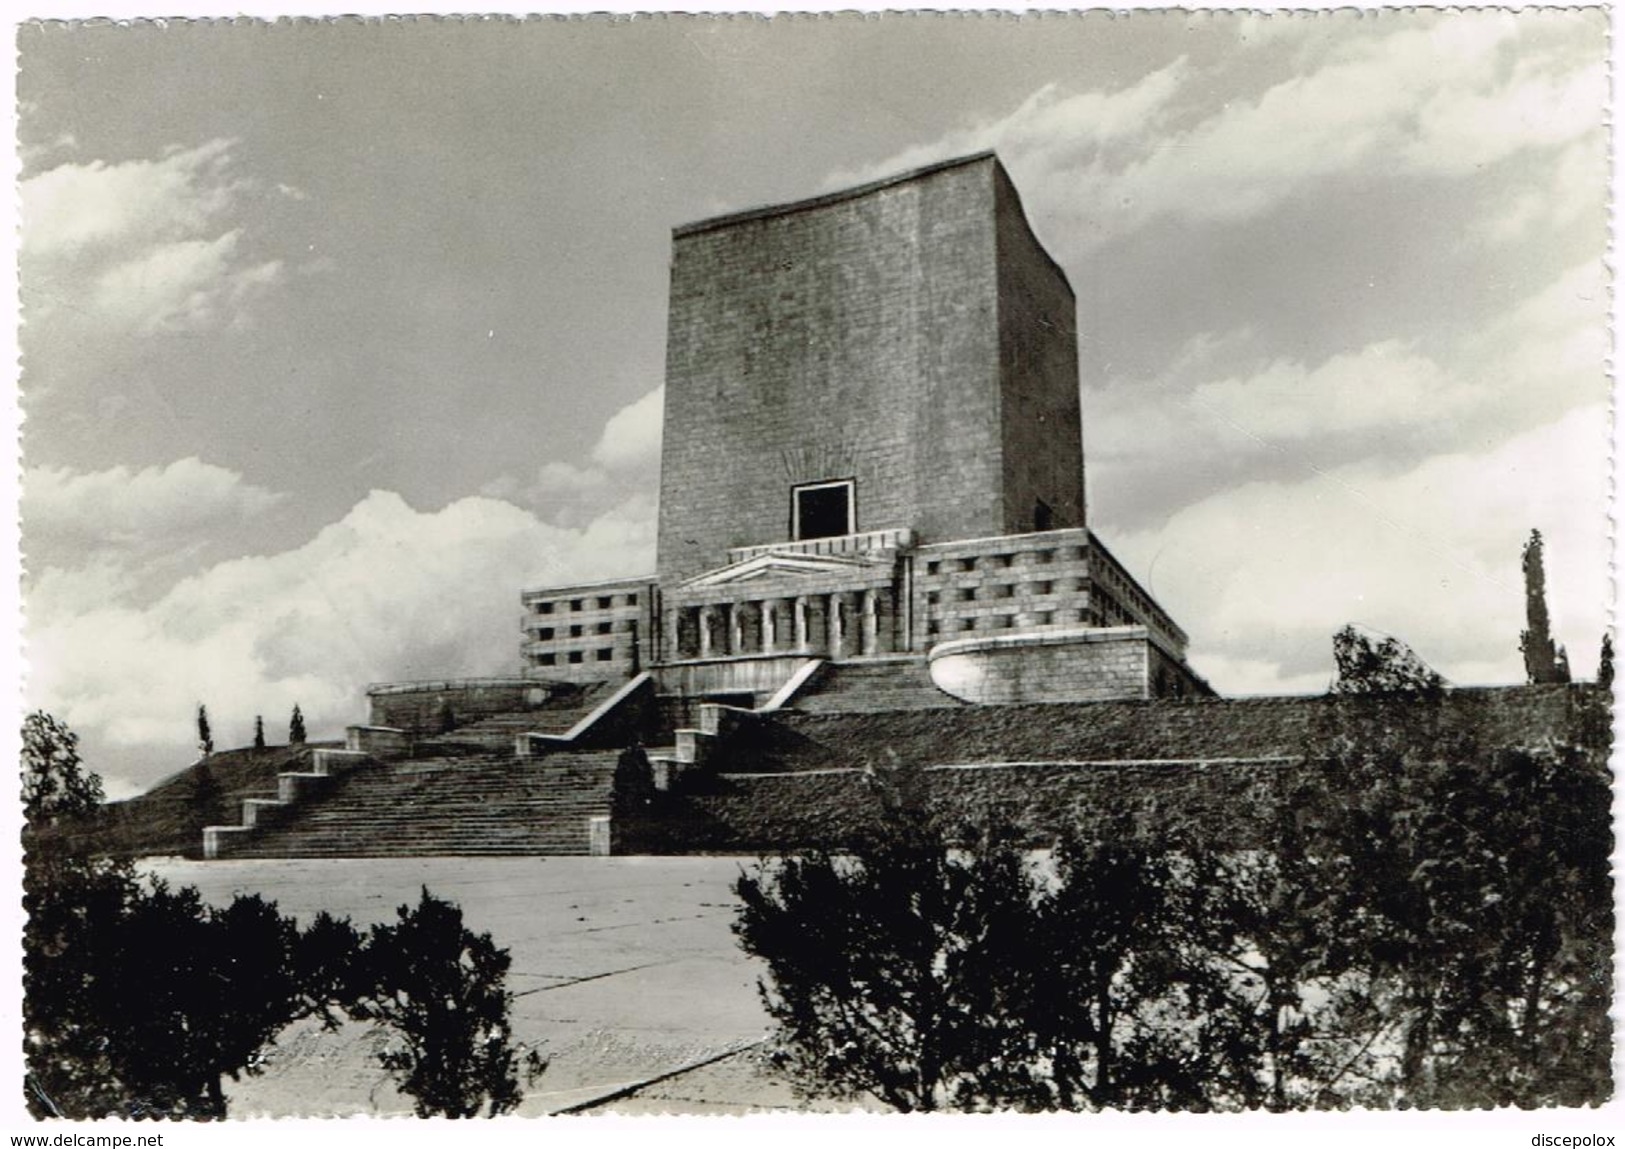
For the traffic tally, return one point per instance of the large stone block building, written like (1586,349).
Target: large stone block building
(872,451)
(873,552)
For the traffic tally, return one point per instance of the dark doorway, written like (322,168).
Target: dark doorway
(823,510)
(1043,517)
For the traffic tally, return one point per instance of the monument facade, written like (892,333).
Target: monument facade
(872,450)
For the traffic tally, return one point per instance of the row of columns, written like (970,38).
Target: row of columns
(840,625)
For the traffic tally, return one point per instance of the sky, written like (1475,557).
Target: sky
(336,336)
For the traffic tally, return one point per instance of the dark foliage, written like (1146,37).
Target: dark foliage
(205,740)
(296,727)
(140,1000)
(1427,922)
(74,908)
(1386,666)
(442,989)
(633,787)
(891,970)
(1605,663)
(1543,660)
(259,732)
(55,782)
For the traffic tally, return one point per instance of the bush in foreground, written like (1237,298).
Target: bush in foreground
(1427,924)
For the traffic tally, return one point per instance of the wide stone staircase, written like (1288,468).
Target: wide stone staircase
(491,804)
(497,732)
(897,683)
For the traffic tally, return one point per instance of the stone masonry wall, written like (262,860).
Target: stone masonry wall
(1040,412)
(1092,666)
(418,707)
(589,633)
(1218,766)
(855,337)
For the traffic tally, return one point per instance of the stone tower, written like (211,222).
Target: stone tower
(901,354)
(872,459)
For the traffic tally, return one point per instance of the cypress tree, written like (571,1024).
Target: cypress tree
(205,740)
(1542,661)
(296,727)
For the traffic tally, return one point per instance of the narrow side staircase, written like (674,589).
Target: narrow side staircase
(894,683)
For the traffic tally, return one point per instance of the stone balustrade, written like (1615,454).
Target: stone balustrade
(892,538)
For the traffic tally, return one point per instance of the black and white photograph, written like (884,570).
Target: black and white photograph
(816,564)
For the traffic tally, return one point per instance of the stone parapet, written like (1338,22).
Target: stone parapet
(1078,665)
(380,742)
(891,539)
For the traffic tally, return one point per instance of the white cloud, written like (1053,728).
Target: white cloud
(623,465)
(135,249)
(1263,574)
(1226,413)
(75,209)
(1542,105)
(154,508)
(387,592)
(1384,385)
(631,437)
(1444,99)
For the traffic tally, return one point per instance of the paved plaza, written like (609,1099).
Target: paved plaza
(624,969)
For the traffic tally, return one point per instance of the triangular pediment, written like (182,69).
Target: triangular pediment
(778,566)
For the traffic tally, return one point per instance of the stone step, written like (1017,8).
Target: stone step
(491,804)
(893,684)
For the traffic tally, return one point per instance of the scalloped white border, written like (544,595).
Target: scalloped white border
(1493,1130)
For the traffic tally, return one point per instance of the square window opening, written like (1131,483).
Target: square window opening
(822,510)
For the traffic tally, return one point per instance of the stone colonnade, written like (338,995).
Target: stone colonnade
(844,624)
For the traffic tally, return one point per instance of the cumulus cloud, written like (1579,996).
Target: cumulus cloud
(631,437)
(1230,414)
(1435,98)
(1263,574)
(1384,385)
(137,248)
(387,592)
(623,464)
(1569,190)
(77,518)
